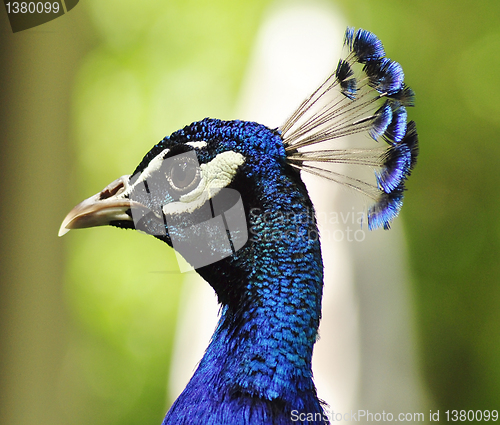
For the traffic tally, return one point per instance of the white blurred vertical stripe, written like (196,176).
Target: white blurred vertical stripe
(365,358)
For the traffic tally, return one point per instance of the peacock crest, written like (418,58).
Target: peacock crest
(229,198)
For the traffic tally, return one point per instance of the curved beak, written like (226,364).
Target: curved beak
(101,209)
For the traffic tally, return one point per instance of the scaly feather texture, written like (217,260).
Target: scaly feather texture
(257,368)
(269,277)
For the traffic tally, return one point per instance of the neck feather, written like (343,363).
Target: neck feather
(259,358)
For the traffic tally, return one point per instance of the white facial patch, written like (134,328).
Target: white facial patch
(215,175)
(198,145)
(154,165)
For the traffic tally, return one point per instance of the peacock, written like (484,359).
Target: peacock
(229,198)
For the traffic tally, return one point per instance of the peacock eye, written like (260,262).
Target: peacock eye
(183,174)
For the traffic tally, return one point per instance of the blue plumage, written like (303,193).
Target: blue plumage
(269,275)
(364,45)
(260,354)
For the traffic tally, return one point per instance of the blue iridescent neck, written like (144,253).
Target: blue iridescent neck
(270,291)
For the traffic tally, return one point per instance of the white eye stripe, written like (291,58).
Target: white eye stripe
(154,165)
(215,176)
(199,144)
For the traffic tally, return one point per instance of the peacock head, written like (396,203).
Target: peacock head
(213,185)
(197,189)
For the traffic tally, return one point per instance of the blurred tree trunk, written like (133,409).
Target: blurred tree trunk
(37,70)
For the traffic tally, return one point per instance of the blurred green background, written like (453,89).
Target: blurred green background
(87,322)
